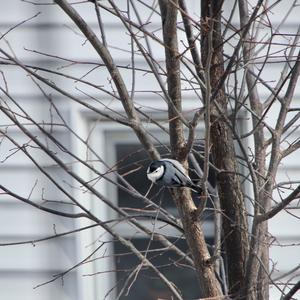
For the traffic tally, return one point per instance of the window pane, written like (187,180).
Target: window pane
(147,285)
(132,163)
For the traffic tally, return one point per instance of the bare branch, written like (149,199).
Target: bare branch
(279,207)
(43,208)
(105,55)
(292,291)
(57,235)
(17,25)
(191,40)
(285,105)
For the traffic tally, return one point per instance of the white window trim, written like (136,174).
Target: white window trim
(104,133)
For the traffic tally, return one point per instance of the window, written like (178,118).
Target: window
(124,152)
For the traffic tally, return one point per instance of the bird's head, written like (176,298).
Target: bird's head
(155,170)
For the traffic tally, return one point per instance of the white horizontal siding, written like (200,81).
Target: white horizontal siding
(53,255)
(289,221)
(23,220)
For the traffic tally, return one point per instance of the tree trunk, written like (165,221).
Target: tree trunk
(209,284)
(235,228)
(258,272)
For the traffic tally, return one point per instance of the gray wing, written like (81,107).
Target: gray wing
(178,166)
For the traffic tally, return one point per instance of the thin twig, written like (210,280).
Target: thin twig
(279,207)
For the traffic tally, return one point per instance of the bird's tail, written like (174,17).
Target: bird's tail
(196,188)
(212,191)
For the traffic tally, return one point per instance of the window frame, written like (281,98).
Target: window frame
(104,136)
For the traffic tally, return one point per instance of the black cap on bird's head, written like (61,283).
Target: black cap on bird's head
(154,165)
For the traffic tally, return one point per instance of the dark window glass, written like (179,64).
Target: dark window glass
(132,163)
(147,285)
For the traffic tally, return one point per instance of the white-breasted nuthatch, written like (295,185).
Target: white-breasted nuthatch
(171,173)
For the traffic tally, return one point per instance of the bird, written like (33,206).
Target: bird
(171,173)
